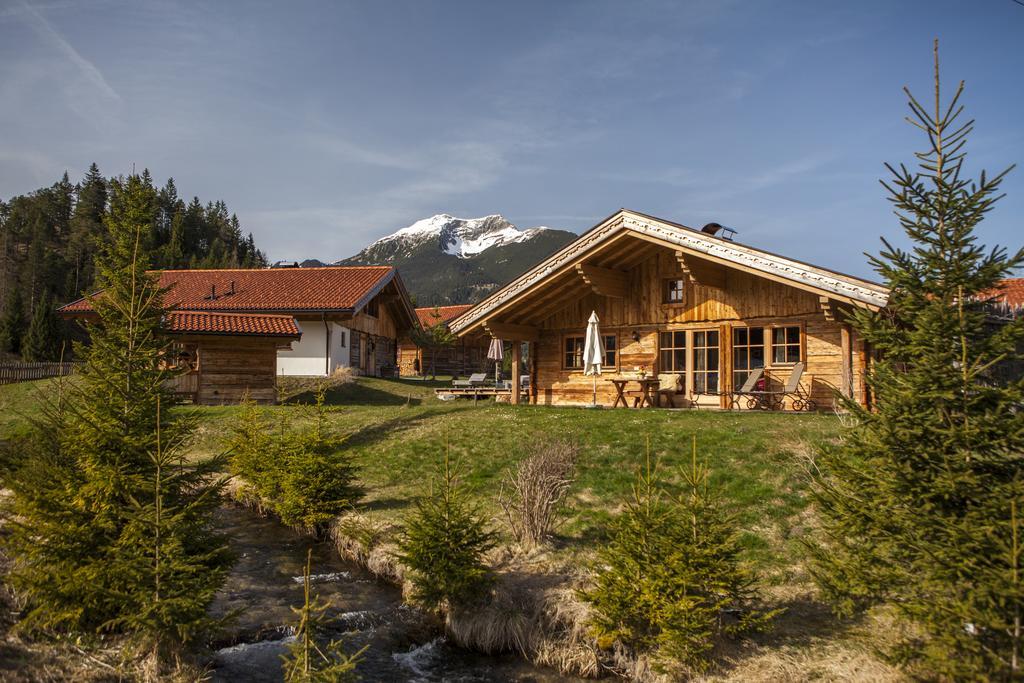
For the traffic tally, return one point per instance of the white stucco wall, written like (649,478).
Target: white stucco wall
(341,341)
(306,358)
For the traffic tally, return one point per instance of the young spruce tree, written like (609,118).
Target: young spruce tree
(921,499)
(110,529)
(443,545)
(307,660)
(670,579)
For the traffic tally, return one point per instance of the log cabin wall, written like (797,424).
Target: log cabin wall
(231,366)
(743,300)
(464,357)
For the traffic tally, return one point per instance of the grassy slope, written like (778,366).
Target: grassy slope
(398,432)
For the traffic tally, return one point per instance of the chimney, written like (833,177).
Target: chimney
(232,290)
(715,228)
(213,292)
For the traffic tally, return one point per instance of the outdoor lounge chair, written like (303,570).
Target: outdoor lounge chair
(793,390)
(748,388)
(475,380)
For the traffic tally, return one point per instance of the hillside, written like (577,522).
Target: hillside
(448,260)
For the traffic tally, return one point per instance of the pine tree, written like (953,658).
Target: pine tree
(12,323)
(44,340)
(307,661)
(87,230)
(109,527)
(670,580)
(443,545)
(920,500)
(433,338)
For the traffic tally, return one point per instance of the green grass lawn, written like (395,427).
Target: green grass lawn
(398,433)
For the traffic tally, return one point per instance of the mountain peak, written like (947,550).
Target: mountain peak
(461,237)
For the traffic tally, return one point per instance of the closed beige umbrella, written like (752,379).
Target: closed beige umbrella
(496,352)
(593,352)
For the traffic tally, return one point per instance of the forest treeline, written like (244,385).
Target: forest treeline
(49,239)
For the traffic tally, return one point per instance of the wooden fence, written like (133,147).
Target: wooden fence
(24,372)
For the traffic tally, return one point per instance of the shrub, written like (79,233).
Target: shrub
(303,476)
(670,579)
(532,494)
(443,545)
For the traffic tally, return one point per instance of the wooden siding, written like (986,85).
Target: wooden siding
(230,367)
(464,357)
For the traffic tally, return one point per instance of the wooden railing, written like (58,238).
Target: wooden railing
(24,372)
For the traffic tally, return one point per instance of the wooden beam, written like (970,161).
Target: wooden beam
(701,272)
(517,350)
(846,348)
(827,308)
(604,281)
(510,332)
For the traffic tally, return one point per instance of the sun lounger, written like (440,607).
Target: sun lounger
(475,380)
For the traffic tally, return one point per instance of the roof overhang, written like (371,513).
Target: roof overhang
(825,283)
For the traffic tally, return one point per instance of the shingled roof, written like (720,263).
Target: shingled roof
(330,289)
(245,324)
(428,315)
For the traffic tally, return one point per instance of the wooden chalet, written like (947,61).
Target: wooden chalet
(675,300)
(465,356)
(240,329)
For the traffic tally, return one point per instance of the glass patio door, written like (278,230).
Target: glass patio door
(705,361)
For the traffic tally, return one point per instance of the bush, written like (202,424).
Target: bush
(443,545)
(302,476)
(532,494)
(670,580)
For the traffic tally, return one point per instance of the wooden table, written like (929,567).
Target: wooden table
(646,385)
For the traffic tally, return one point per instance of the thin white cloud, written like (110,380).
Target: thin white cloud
(45,30)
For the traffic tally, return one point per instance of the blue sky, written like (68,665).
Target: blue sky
(327,125)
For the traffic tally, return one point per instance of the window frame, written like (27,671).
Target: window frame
(605,337)
(565,353)
(684,293)
(799,344)
(765,351)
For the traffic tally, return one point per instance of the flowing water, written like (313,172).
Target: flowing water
(266,582)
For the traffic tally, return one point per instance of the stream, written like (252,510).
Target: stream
(266,582)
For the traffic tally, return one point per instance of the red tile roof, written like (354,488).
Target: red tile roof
(331,288)
(1010,292)
(246,324)
(429,315)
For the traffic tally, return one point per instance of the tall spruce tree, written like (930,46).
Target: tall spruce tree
(12,322)
(110,528)
(921,499)
(45,336)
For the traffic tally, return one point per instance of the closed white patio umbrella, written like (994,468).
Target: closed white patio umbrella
(593,352)
(496,352)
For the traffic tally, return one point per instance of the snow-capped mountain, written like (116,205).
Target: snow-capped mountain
(462,237)
(444,259)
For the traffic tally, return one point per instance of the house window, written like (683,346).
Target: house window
(611,351)
(372,308)
(747,353)
(341,339)
(672,352)
(786,345)
(573,359)
(675,291)
(705,362)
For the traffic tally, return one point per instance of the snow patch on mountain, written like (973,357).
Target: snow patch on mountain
(461,237)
